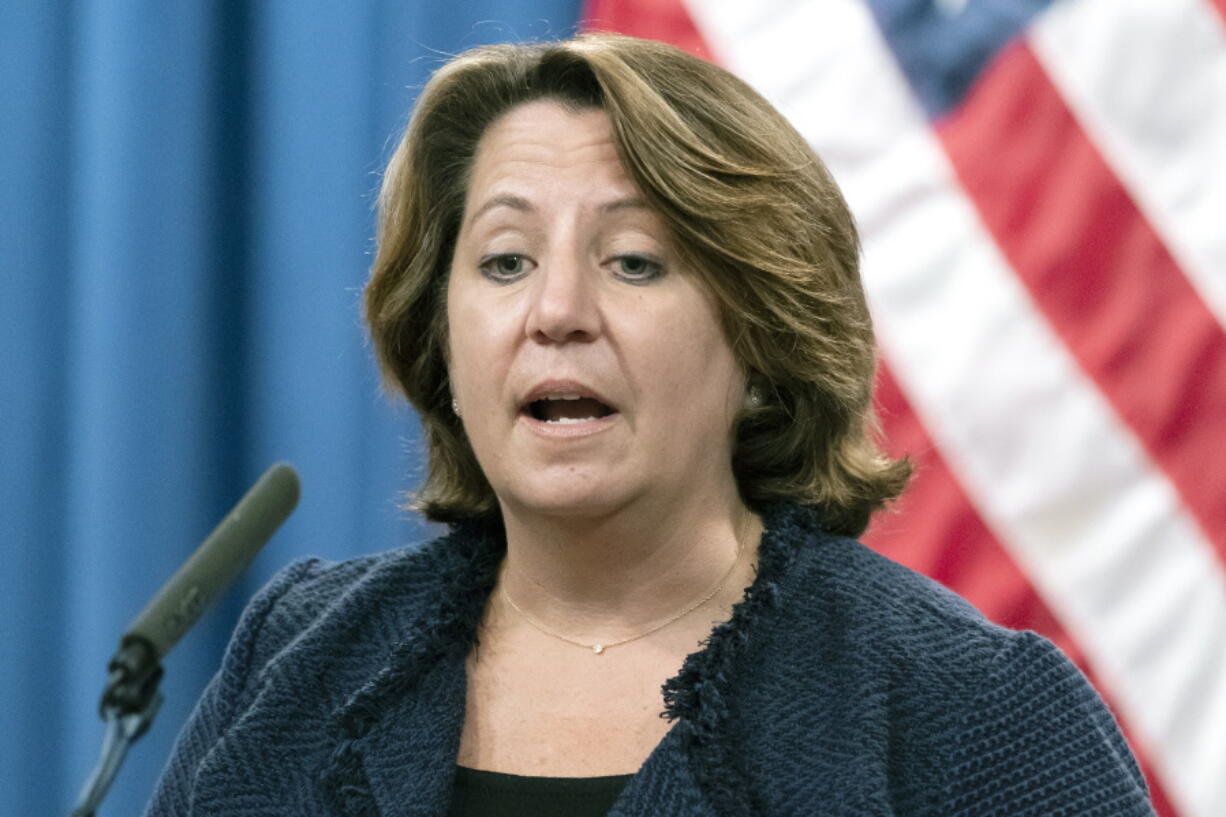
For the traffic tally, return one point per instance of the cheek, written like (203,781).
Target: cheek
(723,376)
(455,350)
(481,339)
(702,376)
(464,336)
(727,382)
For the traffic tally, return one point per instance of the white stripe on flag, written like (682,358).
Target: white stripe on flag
(1050,467)
(1147,82)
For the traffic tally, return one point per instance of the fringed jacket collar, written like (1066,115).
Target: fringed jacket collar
(841,684)
(407,713)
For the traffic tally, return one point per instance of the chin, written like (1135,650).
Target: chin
(566,498)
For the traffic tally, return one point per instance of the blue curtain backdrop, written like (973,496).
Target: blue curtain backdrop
(186,194)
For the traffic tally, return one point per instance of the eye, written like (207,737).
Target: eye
(638,269)
(505,267)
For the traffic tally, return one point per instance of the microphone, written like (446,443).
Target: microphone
(131,698)
(220,558)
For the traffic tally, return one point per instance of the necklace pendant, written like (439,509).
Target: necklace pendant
(598,648)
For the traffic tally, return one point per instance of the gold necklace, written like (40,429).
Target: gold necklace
(599,648)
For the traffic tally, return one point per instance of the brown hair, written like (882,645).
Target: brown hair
(752,211)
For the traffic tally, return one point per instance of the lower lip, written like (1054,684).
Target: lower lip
(565,431)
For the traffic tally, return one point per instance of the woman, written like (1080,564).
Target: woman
(623,295)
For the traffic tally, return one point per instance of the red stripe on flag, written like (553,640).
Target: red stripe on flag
(1099,272)
(938,532)
(664,20)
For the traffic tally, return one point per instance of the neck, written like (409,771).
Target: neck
(611,575)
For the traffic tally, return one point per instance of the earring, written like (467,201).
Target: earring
(455,407)
(753,398)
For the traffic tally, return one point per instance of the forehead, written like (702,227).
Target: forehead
(544,145)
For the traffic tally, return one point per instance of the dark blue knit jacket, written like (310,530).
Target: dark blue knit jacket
(843,684)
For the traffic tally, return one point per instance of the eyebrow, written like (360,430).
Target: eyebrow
(524,206)
(629,203)
(503,200)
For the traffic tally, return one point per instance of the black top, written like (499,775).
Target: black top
(478,793)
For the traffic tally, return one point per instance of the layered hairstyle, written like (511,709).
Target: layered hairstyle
(751,210)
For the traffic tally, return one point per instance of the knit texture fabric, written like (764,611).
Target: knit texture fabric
(842,684)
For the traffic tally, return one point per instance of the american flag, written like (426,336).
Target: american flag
(1041,190)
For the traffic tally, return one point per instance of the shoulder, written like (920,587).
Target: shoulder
(912,696)
(852,635)
(845,605)
(316,633)
(839,590)
(350,614)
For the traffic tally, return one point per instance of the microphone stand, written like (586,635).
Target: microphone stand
(129,704)
(131,698)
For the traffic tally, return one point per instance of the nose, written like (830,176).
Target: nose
(564,303)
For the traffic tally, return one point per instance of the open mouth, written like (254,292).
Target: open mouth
(567,409)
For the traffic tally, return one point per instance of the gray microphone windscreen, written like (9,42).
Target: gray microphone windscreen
(220,558)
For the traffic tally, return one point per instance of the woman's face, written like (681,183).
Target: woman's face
(590,368)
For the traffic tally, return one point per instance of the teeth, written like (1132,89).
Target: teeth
(570,420)
(567,396)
